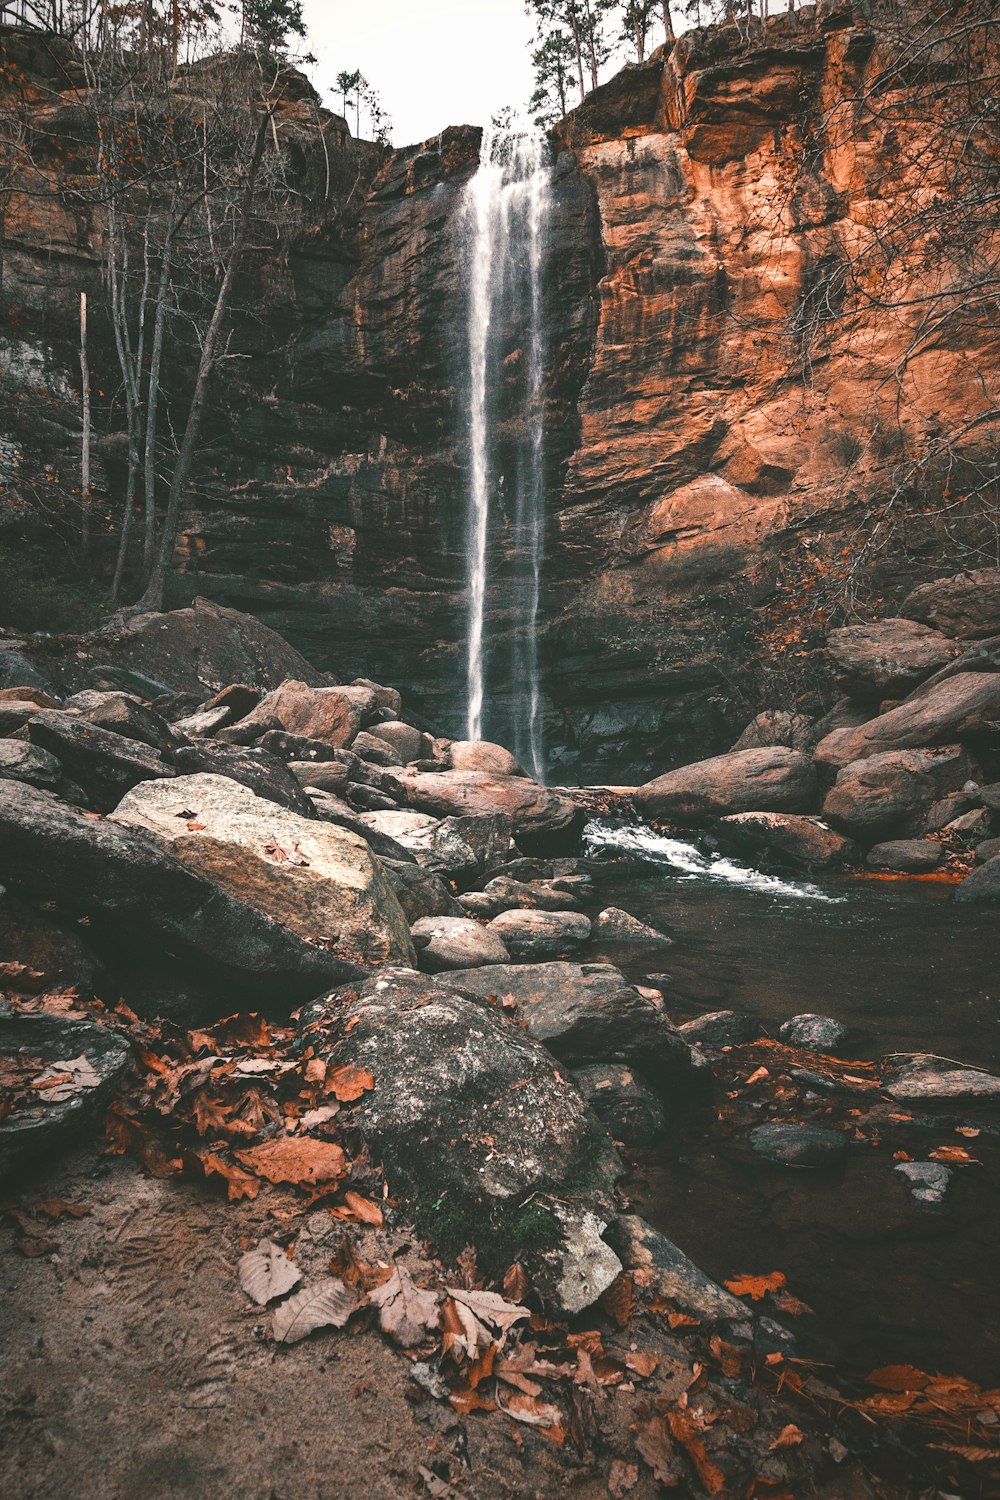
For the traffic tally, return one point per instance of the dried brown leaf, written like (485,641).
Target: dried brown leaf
(298,1160)
(407,1313)
(266,1273)
(328,1304)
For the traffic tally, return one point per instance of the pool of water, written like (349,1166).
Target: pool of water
(907,970)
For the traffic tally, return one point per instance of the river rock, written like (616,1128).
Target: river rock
(375,750)
(420,892)
(773,779)
(669,1273)
(105,765)
(987,850)
(407,742)
(15,713)
(922,1077)
(332,810)
(317,880)
(805,842)
(928,1181)
(329,714)
(323,776)
(983,884)
(434,843)
(625,1105)
(612,925)
(533,810)
(791,1145)
(937,714)
(721,1028)
(28,695)
(481,755)
(888,658)
(124,715)
(588,1013)
(56,952)
(456,943)
(503,893)
(142,901)
(92,1060)
(251,766)
(967,605)
(776,726)
(817,1033)
(23,762)
(538,935)
(484,1141)
(906,856)
(891,793)
(203,723)
(16,671)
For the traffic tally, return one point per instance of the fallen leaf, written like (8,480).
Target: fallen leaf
(321,1116)
(898,1378)
(348,1083)
(63,1080)
(683,1429)
(436,1487)
(641,1364)
(298,1160)
(969,1131)
(328,1304)
(756,1287)
(531,1411)
(239,1184)
(950,1153)
(407,1313)
(56,1208)
(618,1300)
(489,1307)
(793,1307)
(267,1272)
(464,1398)
(758,1076)
(656,1448)
(789,1437)
(364,1209)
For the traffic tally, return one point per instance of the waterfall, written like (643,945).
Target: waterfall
(506,210)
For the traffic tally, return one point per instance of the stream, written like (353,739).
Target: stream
(907,970)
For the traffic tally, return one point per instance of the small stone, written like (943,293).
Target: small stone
(921,1075)
(819,1033)
(617,926)
(790,1145)
(540,935)
(928,1181)
(906,856)
(721,1028)
(456,943)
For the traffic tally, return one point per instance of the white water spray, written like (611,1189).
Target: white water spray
(506,211)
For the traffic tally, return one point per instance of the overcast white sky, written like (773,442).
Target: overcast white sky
(433,62)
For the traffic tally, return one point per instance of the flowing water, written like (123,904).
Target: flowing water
(506,210)
(907,970)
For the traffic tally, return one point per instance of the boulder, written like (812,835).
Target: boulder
(817,1033)
(140,900)
(532,809)
(983,884)
(892,793)
(626,1106)
(484,1141)
(774,779)
(60,1075)
(15,713)
(380,696)
(538,935)
(297,747)
(503,893)
(906,856)
(204,647)
(612,925)
(970,828)
(407,742)
(967,605)
(203,723)
(928,1181)
(28,695)
(322,776)
(252,767)
(375,750)
(987,850)
(481,755)
(319,881)
(433,842)
(331,809)
(588,1013)
(721,1028)
(456,943)
(16,671)
(419,892)
(920,1077)
(52,950)
(22,762)
(789,837)
(792,1145)
(124,715)
(938,714)
(776,726)
(105,765)
(667,1272)
(330,714)
(888,658)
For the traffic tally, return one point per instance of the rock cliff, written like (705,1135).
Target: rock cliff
(726,414)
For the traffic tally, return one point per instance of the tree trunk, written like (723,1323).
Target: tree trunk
(153,398)
(668,22)
(85,437)
(152,598)
(575,24)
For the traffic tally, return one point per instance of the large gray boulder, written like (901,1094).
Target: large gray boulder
(665,1270)
(891,793)
(330,714)
(103,764)
(773,779)
(252,767)
(317,880)
(539,935)
(967,605)
(142,901)
(588,1013)
(124,714)
(807,843)
(419,892)
(888,658)
(447,942)
(485,1141)
(482,755)
(923,1078)
(627,1107)
(533,810)
(60,1073)
(777,726)
(983,884)
(20,761)
(906,856)
(938,714)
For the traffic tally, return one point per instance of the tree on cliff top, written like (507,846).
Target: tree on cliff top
(271,23)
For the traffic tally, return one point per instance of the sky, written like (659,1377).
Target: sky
(432,62)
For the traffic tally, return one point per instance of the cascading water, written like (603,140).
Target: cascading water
(506,210)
